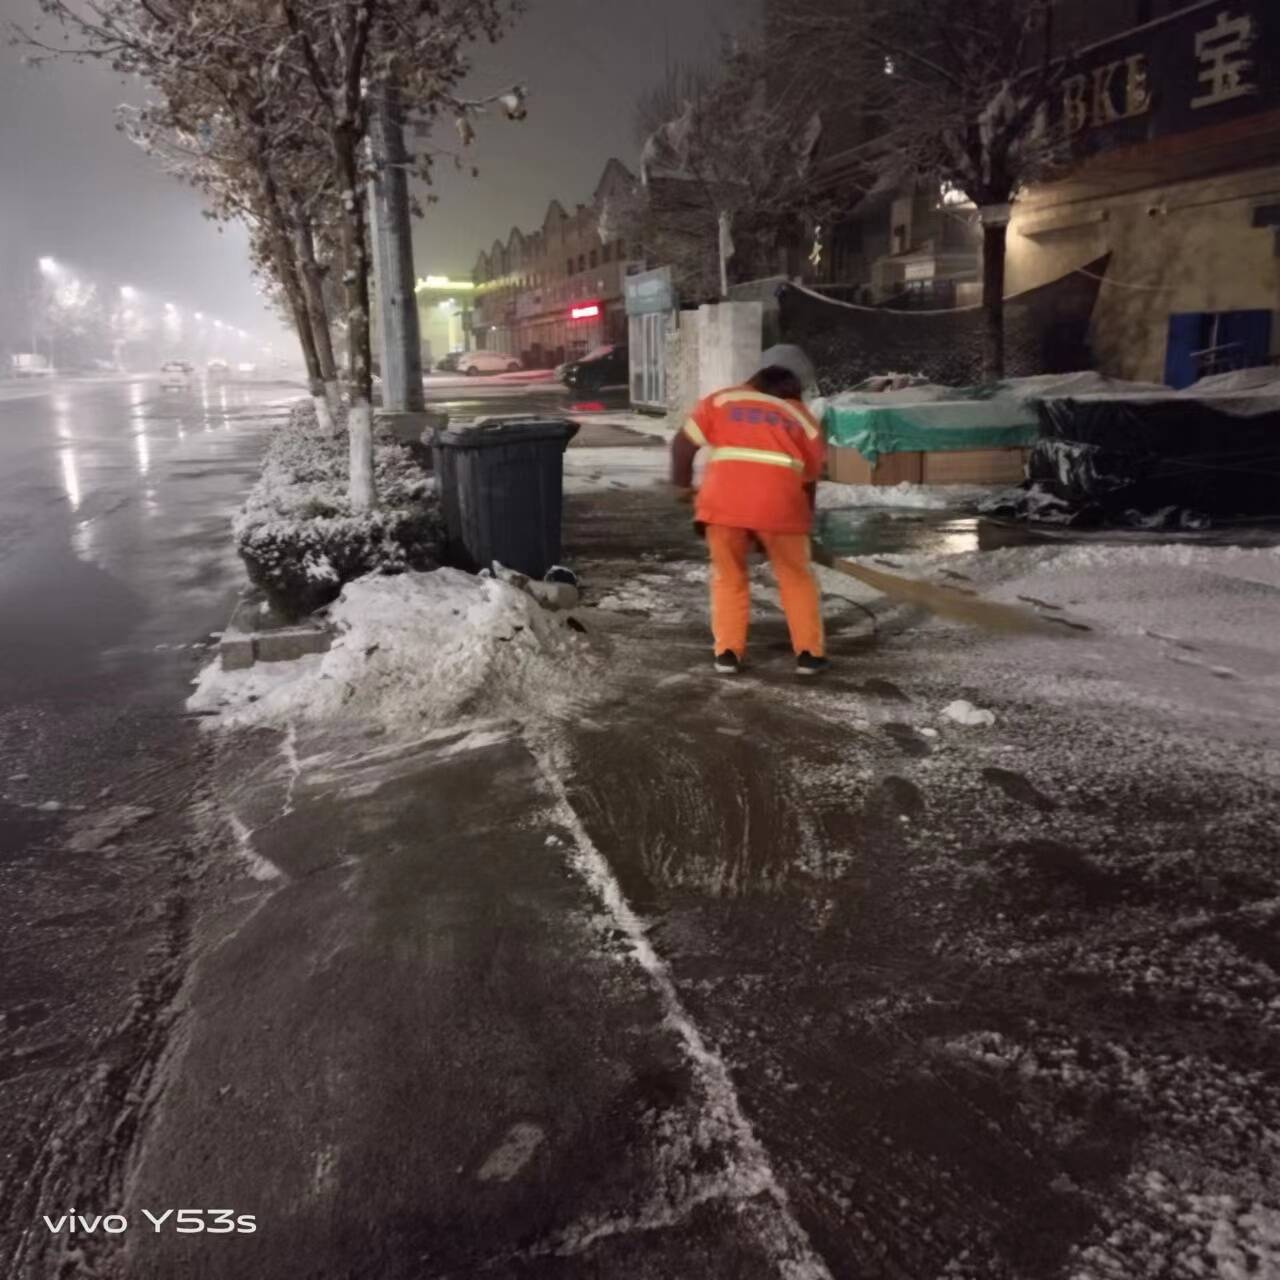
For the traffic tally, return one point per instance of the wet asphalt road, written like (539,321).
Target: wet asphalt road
(115,565)
(114,499)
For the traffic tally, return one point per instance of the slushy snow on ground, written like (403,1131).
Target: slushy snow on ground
(920,497)
(590,469)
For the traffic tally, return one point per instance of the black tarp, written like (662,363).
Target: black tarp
(1122,460)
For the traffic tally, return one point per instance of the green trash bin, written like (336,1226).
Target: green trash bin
(501,484)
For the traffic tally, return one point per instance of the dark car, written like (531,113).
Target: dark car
(449,363)
(606,366)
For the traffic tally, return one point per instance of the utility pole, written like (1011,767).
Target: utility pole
(393,258)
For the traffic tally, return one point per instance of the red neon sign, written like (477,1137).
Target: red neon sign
(585,311)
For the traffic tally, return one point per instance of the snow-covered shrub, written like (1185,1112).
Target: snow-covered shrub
(300,538)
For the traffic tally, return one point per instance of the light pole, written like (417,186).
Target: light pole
(125,325)
(49,271)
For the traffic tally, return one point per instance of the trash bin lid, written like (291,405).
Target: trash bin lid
(513,429)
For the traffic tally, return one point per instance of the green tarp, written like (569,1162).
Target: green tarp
(898,413)
(995,422)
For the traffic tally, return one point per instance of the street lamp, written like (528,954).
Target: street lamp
(48,266)
(128,293)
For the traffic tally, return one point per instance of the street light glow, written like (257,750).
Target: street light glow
(49,266)
(128,292)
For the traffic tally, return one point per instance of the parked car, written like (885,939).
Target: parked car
(476,362)
(605,366)
(176,373)
(449,363)
(246,368)
(217,368)
(26,365)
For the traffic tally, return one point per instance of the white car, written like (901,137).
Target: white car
(473,363)
(176,373)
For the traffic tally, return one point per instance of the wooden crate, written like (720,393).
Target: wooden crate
(848,466)
(975,466)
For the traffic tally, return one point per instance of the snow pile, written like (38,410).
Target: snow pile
(967,714)
(1264,378)
(923,497)
(415,651)
(895,390)
(297,531)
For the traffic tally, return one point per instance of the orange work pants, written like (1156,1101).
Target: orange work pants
(731,592)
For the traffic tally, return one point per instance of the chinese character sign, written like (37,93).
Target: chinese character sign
(1226,64)
(1206,65)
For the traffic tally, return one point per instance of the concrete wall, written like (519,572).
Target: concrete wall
(729,344)
(717,346)
(1179,246)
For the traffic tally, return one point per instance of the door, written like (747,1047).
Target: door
(648,356)
(1202,343)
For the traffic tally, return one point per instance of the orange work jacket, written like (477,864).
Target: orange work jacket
(761,453)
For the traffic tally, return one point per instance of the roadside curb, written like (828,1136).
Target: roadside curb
(256,633)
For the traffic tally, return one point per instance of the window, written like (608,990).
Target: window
(622,251)
(606,254)
(568,267)
(582,262)
(595,259)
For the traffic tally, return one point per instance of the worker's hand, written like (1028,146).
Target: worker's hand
(684,494)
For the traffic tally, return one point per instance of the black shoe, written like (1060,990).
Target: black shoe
(808,665)
(727,663)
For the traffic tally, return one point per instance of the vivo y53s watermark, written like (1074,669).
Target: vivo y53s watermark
(212,1222)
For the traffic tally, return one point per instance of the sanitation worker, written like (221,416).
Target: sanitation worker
(764,457)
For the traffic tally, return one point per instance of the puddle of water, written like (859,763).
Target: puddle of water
(880,532)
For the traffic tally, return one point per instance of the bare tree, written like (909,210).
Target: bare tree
(348,50)
(289,82)
(726,169)
(219,121)
(957,94)
(229,160)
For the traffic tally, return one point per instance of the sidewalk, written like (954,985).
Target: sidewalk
(423,1044)
(751,978)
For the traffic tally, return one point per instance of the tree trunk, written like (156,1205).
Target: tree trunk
(392,234)
(355,268)
(994,239)
(287,271)
(313,286)
(273,212)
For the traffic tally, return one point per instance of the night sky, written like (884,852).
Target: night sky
(74,188)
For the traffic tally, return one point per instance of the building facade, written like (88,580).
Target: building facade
(555,292)
(1175,107)
(1179,118)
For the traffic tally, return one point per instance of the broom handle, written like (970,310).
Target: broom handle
(973,610)
(873,578)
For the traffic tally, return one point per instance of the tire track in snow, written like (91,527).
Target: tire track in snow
(750,1176)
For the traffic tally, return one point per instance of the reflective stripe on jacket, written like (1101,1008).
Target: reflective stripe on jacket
(761,452)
